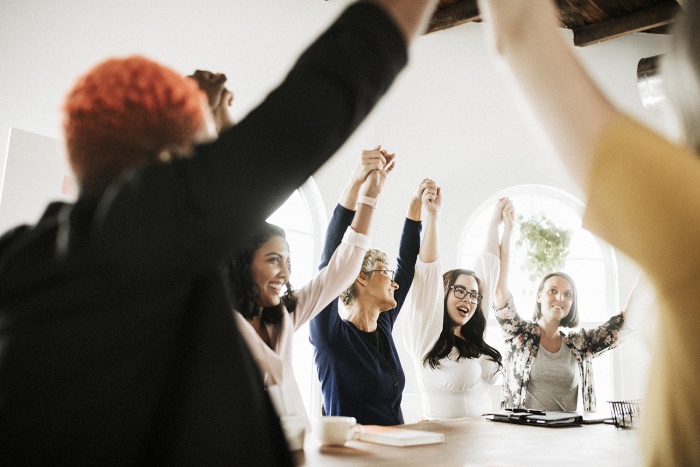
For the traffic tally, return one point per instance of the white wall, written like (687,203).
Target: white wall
(450,116)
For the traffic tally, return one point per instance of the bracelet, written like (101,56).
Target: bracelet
(371,202)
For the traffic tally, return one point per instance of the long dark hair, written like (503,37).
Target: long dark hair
(243,292)
(473,344)
(570,320)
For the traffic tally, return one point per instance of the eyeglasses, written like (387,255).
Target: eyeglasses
(461,292)
(387,272)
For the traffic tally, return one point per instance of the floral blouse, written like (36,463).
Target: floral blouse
(523,342)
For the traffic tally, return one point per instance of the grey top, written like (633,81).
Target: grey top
(554,381)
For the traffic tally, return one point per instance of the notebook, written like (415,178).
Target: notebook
(393,436)
(537,418)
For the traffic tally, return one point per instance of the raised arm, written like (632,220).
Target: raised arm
(411,16)
(368,177)
(346,258)
(502,293)
(370,173)
(429,247)
(423,308)
(566,102)
(491,244)
(415,205)
(409,246)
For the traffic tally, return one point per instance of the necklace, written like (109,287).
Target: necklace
(544,332)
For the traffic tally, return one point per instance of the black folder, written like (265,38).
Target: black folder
(537,418)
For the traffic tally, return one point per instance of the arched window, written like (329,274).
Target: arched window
(591,263)
(303,218)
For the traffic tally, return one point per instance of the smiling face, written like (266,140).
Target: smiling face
(555,298)
(380,287)
(270,269)
(461,310)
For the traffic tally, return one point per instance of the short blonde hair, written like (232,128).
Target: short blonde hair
(369,264)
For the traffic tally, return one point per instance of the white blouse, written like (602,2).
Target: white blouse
(276,363)
(457,388)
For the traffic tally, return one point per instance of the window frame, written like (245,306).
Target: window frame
(466,249)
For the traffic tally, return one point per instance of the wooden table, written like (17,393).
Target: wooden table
(477,441)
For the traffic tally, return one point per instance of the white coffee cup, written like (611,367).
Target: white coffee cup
(294,427)
(336,430)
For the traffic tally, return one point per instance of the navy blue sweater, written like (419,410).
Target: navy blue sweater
(356,379)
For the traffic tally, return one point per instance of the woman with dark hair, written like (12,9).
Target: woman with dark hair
(641,190)
(444,326)
(268,311)
(544,366)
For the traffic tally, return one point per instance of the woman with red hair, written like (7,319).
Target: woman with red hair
(117,343)
(126,113)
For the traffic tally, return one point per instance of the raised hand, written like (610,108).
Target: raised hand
(425,183)
(218,96)
(371,159)
(432,198)
(376,173)
(508,215)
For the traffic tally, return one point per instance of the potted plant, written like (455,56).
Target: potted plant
(544,246)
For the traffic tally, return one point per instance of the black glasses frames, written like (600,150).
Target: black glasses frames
(461,292)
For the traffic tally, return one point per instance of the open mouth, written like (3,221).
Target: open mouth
(463,311)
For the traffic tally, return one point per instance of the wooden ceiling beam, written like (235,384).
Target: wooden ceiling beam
(638,21)
(462,12)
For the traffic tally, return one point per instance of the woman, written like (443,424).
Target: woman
(545,367)
(445,322)
(644,200)
(259,273)
(358,365)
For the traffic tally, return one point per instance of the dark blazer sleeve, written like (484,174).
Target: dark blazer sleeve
(325,324)
(339,223)
(409,247)
(194,210)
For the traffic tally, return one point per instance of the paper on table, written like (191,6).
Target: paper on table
(393,436)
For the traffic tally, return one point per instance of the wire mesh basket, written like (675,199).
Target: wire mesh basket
(624,413)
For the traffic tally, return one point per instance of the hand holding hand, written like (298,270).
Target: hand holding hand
(218,96)
(432,198)
(497,215)
(212,84)
(508,215)
(371,159)
(376,177)
(222,117)
(425,183)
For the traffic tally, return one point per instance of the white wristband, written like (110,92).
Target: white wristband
(371,202)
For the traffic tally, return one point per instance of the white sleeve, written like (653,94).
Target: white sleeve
(487,267)
(490,371)
(423,310)
(338,275)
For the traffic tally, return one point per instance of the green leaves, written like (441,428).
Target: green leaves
(544,246)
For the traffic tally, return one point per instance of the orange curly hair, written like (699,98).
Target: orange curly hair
(123,112)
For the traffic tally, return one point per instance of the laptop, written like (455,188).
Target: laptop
(537,418)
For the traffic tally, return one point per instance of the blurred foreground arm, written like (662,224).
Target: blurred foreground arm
(411,16)
(567,103)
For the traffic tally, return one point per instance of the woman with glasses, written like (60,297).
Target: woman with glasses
(544,366)
(445,323)
(268,311)
(358,365)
